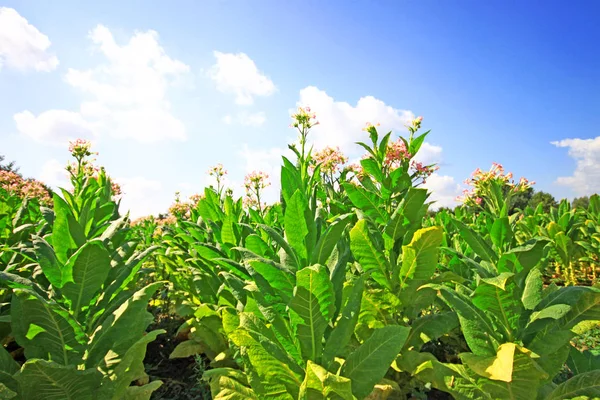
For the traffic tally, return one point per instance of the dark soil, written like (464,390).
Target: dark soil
(180,376)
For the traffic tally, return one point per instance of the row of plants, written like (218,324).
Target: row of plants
(347,288)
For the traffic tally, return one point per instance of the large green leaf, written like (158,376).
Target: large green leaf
(40,379)
(367,202)
(277,374)
(50,265)
(582,386)
(344,327)
(371,360)
(430,327)
(583,361)
(126,368)
(369,254)
(8,367)
(419,258)
(329,239)
(479,332)
(476,242)
(296,226)
(311,309)
(407,213)
(62,242)
(498,296)
(229,384)
(122,328)
(501,232)
(44,329)
(511,374)
(320,384)
(90,266)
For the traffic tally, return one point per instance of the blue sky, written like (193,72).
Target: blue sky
(167,89)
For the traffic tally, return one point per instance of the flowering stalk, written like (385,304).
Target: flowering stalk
(254,183)
(218,172)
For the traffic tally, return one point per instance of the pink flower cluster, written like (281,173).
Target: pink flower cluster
(423,171)
(304,118)
(218,171)
(24,188)
(256,180)
(480,182)
(80,148)
(330,159)
(396,154)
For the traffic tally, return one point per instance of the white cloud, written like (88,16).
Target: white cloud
(22,45)
(53,126)
(142,196)
(586,177)
(444,190)
(341,124)
(54,174)
(238,74)
(127,95)
(246,118)
(429,154)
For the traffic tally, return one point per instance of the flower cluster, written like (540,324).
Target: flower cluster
(115,189)
(304,119)
(422,171)
(80,148)
(396,154)
(218,171)
(254,183)
(330,160)
(24,188)
(481,181)
(415,125)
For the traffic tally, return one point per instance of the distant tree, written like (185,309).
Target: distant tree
(521,200)
(581,202)
(8,166)
(544,198)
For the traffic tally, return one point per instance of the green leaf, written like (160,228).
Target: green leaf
(430,327)
(141,392)
(329,239)
(480,334)
(8,368)
(49,264)
(41,379)
(511,374)
(532,293)
(420,257)
(369,255)
(409,211)
(229,384)
(90,266)
(344,328)
(371,360)
(311,309)
(366,202)
(498,296)
(476,242)
(583,361)
(320,384)
(582,386)
(62,242)
(44,329)
(501,232)
(122,328)
(277,374)
(126,367)
(296,228)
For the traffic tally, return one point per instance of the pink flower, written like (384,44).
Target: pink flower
(330,159)
(478,201)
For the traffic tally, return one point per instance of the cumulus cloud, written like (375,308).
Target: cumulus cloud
(22,46)
(444,190)
(268,161)
(53,126)
(237,74)
(246,118)
(142,196)
(126,96)
(586,177)
(341,123)
(54,174)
